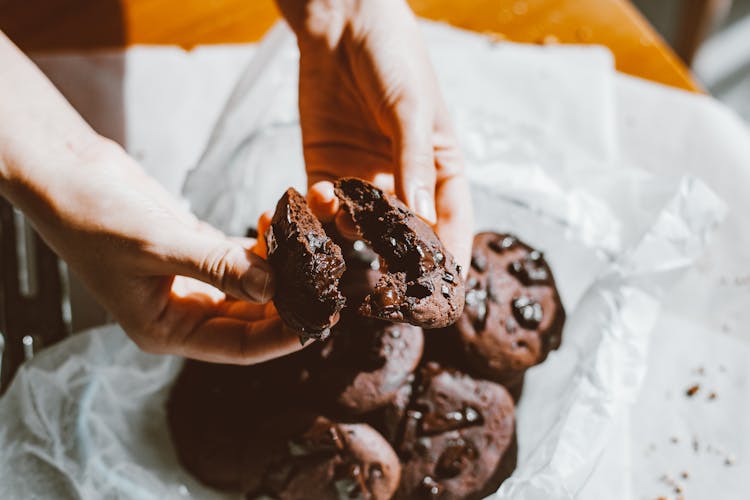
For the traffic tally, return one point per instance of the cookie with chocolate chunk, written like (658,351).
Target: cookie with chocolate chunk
(365,362)
(421,283)
(307,266)
(331,461)
(513,316)
(215,412)
(454,436)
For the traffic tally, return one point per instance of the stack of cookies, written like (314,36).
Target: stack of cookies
(406,393)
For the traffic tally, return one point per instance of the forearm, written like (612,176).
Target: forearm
(41,135)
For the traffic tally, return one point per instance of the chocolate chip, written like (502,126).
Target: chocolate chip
(527,312)
(506,243)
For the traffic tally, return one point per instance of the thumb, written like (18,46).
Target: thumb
(225,264)
(415,174)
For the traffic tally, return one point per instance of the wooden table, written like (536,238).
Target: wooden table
(76,24)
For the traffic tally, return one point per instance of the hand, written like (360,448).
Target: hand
(370,107)
(176,285)
(156,268)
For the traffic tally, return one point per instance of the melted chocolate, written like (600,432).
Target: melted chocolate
(387,298)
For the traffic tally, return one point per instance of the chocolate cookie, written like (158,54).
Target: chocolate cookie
(214,412)
(331,461)
(513,316)
(365,362)
(388,418)
(422,283)
(454,436)
(307,265)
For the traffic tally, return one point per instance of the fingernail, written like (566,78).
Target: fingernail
(257,284)
(424,205)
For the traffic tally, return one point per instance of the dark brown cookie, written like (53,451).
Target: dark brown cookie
(214,411)
(422,283)
(307,266)
(513,316)
(365,362)
(454,436)
(388,418)
(331,461)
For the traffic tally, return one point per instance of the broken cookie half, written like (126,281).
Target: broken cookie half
(308,266)
(420,282)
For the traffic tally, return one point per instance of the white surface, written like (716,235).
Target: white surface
(548,146)
(706,317)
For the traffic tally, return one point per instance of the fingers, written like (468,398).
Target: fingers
(264,222)
(224,331)
(229,340)
(323,201)
(325,205)
(247,311)
(455,225)
(223,263)
(415,174)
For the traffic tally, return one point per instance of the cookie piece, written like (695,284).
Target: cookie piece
(513,316)
(422,283)
(365,362)
(455,434)
(307,265)
(333,460)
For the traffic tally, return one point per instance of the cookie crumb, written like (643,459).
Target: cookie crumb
(684,475)
(712,396)
(692,390)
